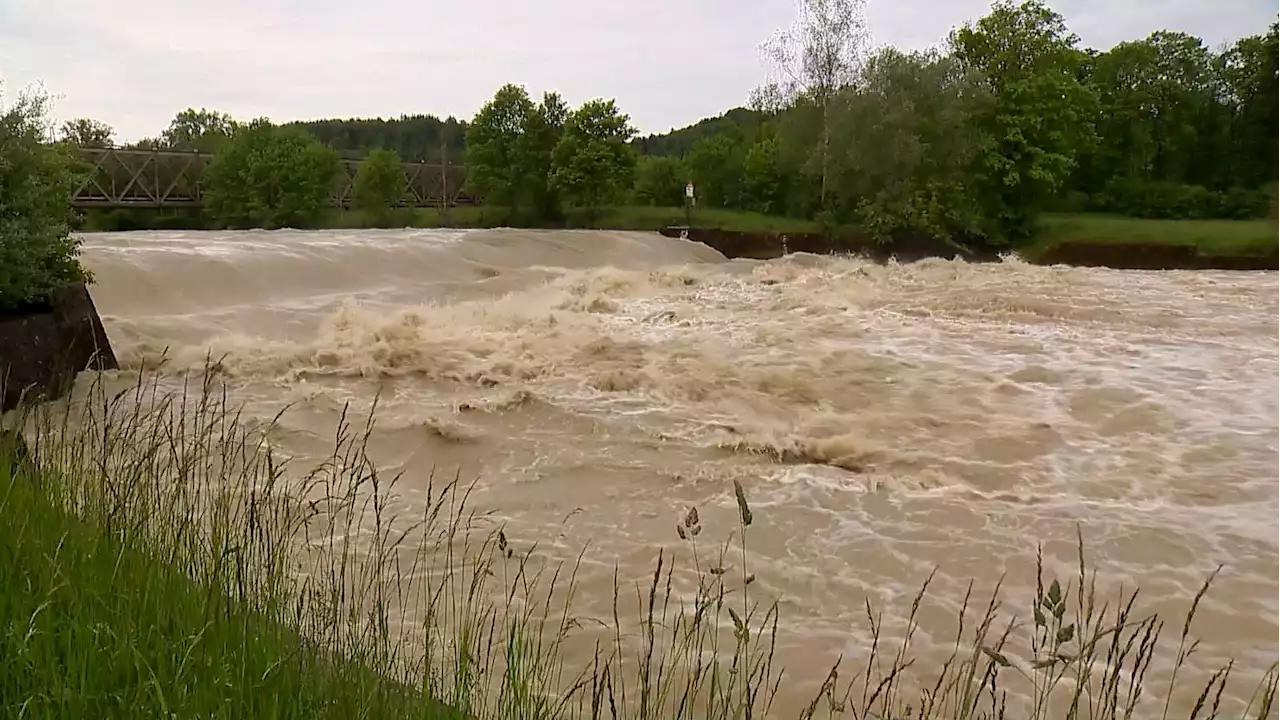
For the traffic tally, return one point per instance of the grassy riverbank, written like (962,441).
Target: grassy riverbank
(103,625)
(124,596)
(158,561)
(1209,237)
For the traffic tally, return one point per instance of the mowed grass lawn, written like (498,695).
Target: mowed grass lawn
(1210,237)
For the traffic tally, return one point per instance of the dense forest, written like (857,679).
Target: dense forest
(1009,117)
(419,138)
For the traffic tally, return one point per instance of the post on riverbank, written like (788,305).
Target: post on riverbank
(688,204)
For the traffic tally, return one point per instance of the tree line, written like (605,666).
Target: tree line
(1008,118)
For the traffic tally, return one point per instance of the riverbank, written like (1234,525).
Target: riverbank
(126,599)
(1140,244)
(1239,238)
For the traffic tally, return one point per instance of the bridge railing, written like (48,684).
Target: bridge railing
(138,178)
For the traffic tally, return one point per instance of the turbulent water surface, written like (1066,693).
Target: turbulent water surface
(883,419)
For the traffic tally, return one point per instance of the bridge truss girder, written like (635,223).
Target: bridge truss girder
(140,178)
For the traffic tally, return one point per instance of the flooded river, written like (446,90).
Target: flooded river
(884,420)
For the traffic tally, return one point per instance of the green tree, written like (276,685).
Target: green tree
(1012,119)
(904,145)
(270,176)
(678,142)
(38,253)
(715,164)
(1041,118)
(86,132)
(203,130)
(1249,76)
(814,60)
(593,162)
(494,147)
(543,128)
(1159,116)
(660,181)
(379,184)
(763,184)
(1274,191)
(509,149)
(1123,80)
(795,129)
(1189,128)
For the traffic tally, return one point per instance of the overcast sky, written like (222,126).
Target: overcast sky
(135,63)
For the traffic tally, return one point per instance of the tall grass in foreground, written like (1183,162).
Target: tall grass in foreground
(159,559)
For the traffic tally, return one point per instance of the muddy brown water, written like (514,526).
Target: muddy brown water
(884,420)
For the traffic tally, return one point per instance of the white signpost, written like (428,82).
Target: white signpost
(688,208)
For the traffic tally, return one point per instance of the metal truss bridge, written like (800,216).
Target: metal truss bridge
(173,179)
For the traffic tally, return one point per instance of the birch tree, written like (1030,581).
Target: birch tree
(820,54)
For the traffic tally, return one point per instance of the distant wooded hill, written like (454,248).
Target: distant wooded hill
(678,142)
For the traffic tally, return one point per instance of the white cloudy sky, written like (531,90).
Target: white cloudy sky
(134,63)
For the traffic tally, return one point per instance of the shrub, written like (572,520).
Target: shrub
(38,253)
